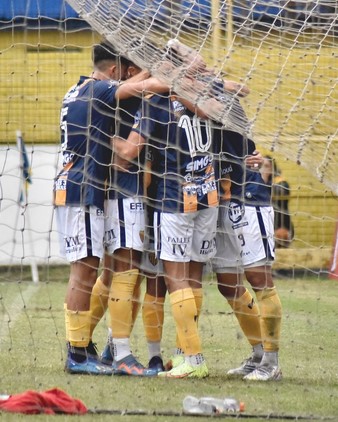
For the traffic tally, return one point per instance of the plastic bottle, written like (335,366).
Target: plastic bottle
(211,405)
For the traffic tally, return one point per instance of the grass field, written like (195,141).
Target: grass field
(33,353)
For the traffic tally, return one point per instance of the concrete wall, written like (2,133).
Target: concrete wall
(28,231)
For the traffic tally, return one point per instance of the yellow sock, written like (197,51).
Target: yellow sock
(66,322)
(271,318)
(79,327)
(198,295)
(98,303)
(247,314)
(136,299)
(121,303)
(185,314)
(153,317)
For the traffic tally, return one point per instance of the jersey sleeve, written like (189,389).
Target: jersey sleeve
(145,120)
(106,91)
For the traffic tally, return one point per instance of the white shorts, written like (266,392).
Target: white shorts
(186,237)
(244,239)
(124,225)
(81,231)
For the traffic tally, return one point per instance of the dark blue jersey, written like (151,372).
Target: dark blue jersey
(126,183)
(181,143)
(237,181)
(87,122)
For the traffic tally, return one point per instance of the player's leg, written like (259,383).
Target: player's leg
(154,298)
(153,318)
(100,292)
(259,275)
(127,246)
(246,310)
(184,311)
(195,277)
(228,266)
(270,307)
(81,230)
(184,238)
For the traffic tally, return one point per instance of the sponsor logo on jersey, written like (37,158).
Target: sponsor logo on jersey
(226,170)
(67,158)
(61,184)
(137,119)
(199,164)
(178,108)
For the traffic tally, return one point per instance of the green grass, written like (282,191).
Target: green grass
(33,353)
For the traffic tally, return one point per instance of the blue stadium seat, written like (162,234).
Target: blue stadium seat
(56,9)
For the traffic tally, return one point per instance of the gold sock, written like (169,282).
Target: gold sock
(185,314)
(271,318)
(136,300)
(198,295)
(79,327)
(66,322)
(247,314)
(153,317)
(98,303)
(121,303)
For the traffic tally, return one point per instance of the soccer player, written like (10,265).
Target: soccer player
(87,122)
(245,245)
(152,268)
(185,209)
(124,233)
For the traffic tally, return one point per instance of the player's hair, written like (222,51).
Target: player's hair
(106,52)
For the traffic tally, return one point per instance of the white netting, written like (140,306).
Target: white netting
(299,118)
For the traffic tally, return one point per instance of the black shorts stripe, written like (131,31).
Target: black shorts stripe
(88,232)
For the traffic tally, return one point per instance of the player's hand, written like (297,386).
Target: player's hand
(120,164)
(254,161)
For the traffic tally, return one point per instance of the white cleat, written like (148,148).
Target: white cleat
(265,373)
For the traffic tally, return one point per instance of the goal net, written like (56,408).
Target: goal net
(289,34)
(285,52)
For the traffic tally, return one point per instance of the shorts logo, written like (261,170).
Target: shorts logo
(72,243)
(179,244)
(236,212)
(99,212)
(109,236)
(136,206)
(208,246)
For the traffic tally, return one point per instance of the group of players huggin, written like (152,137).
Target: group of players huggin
(151,187)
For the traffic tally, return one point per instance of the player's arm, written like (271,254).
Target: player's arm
(236,88)
(128,149)
(193,108)
(137,89)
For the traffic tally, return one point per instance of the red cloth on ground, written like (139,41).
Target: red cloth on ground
(49,402)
